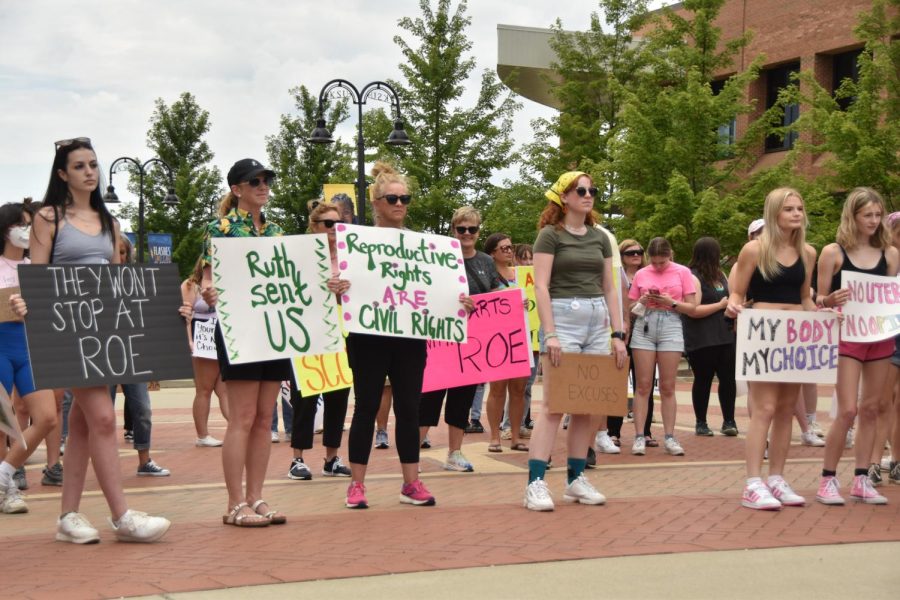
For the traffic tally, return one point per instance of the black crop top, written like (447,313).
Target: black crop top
(783,289)
(846,265)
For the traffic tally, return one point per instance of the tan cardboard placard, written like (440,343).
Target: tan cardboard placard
(5,313)
(586,384)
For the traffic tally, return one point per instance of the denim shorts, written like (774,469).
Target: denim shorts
(658,330)
(582,325)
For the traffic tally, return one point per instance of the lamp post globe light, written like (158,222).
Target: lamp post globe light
(110,197)
(377,90)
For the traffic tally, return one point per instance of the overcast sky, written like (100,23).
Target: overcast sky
(94,68)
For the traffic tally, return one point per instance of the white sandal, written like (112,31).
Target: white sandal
(244,520)
(275,517)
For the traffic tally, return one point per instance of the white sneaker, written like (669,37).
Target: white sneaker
(11,501)
(456,461)
(604,443)
(758,496)
(639,446)
(75,528)
(809,438)
(275,438)
(537,496)
(851,435)
(782,492)
(582,491)
(136,526)
(208,442)
(816,428)
(672,447)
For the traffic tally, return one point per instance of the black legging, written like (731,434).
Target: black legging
(304,421)
(708,362)
(402,360)
(456,413)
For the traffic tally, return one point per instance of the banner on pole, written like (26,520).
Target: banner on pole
(273,297)
(872,313)
(160,246)
(403,283)
(787,346)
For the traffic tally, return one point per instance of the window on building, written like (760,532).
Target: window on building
(777,79)
(844,66)
(726,131)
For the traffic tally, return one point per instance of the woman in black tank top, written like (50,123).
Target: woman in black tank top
(776,271)
(863,245)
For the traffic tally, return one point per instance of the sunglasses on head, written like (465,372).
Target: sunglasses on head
(328,223)
(257,181)
(472,230)
(633,253)
(64,143)
(393,198)
(583,191)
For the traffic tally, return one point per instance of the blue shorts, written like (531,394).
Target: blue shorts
(15,365)
(658,330)
(582,325)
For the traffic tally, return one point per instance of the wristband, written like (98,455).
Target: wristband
(675,306)
(618,335)
(552,334)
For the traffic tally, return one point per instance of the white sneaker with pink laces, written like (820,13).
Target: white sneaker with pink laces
(758,496)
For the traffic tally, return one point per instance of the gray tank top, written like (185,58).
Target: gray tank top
(74,247)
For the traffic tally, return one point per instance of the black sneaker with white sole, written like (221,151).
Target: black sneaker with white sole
(299,470)
(335,468)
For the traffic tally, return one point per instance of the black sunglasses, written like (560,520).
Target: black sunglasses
(329,223)
(633,253)
(581,191)
(64,143)
(472,230)
(393,198)
(256,181)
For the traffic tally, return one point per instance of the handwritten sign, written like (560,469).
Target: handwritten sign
(8,423)
(6,314)
(787,346)
(102,324)
(403,284)
(205,338)
(273,298)
(525,280)
(497,347)
(322,373)
(586,384)
(872,312)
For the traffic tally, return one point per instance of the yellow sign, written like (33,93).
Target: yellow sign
(525,280)
(320,373)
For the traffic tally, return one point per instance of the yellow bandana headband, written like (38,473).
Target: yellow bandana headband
(554,194)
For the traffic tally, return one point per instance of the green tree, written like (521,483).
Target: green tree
(455,150)
(176,136)
(303,167)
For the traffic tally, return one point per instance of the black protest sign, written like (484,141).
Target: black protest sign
(103,324)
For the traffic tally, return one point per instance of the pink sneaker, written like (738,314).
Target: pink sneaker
(416,493)
(863,491)
(758,497)
(828,492)
(356,496)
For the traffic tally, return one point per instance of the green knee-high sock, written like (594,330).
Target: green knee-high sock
(575,468)
(536,469)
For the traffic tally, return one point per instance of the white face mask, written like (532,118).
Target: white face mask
(19,236)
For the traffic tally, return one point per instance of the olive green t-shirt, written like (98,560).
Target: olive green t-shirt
(577,261)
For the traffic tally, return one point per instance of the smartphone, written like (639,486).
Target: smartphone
(654,291)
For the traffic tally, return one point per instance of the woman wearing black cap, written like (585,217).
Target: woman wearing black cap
(252,387)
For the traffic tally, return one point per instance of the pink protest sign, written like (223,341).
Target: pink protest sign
(497,347)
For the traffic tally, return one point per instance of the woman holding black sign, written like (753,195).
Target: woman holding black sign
(577,303)
(252,387)
(74,227)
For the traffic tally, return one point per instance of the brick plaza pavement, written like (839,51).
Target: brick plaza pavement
(657,505)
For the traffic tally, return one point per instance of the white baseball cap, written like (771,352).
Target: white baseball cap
(756,226)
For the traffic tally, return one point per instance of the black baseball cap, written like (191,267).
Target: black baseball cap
(246,169)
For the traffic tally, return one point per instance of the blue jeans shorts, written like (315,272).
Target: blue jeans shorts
(582,325)
(658,330)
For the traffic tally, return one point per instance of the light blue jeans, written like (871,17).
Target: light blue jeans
(138,402)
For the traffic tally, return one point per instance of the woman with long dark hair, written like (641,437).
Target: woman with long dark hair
(74,227)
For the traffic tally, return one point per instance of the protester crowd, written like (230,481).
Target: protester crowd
(629,300)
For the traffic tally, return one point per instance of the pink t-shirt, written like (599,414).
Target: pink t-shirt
(9,277)
(675,280)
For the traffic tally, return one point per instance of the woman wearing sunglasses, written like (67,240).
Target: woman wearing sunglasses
(74,227)
(322,219)
(252,387)
(482,275)
(577,303)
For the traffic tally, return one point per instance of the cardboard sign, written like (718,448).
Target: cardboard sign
(586,384)
(872,313)
(497,348)
(104,324)
(525,280)
(403,284)
(787,346)
(322,373)
(205,339)
(8,423)
(5,313)
(273,298)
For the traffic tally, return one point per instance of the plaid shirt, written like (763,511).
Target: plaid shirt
(237,223)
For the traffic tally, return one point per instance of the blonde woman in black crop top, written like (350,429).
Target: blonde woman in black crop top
(863,245)
(778,267)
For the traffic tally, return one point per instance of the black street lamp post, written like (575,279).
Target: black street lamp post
(377,90)
(110,196)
